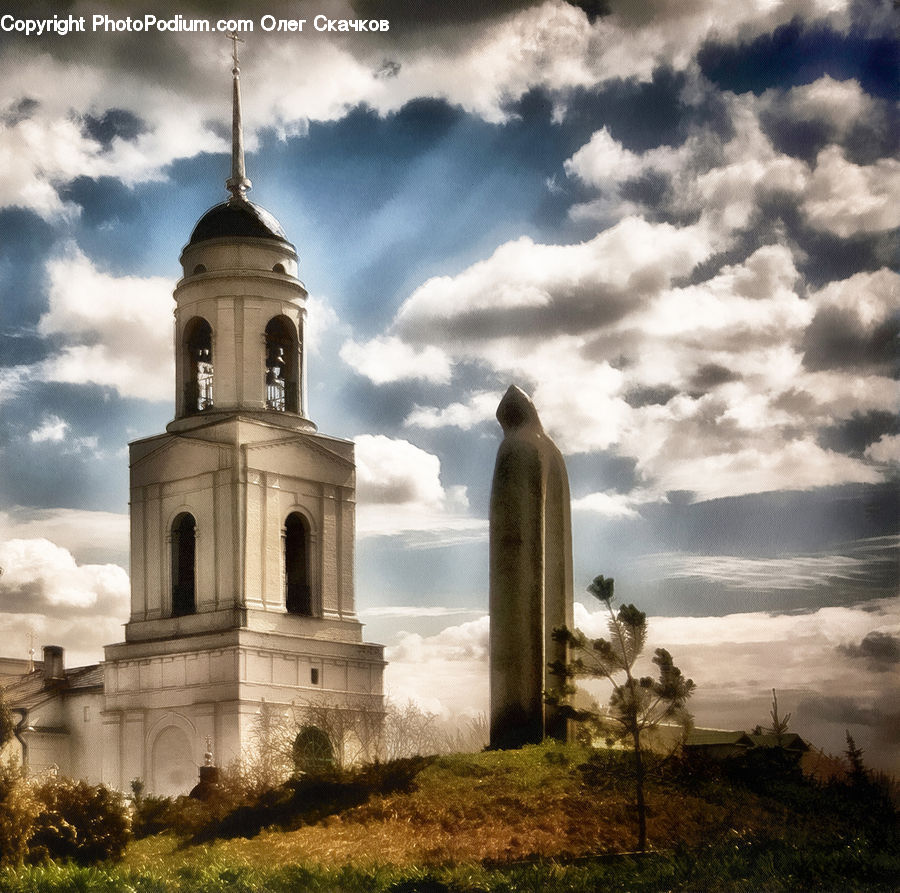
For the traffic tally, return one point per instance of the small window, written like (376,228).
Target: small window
(278,268)
(198,356)
(298,588)
(313,677)
(282,365)
(184,537)
(200,268)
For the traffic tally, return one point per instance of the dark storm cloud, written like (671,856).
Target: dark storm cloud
(795,132)
(840,709)
(653,190)
(645,114)
(406,14)
(710,376)
(799,53)
(114,124)
(821,257)
(836,338)
(18,111)
(650,396)
(853,435)
(570,310)
(881,651)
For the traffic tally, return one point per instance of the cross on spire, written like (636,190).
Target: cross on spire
(237,184)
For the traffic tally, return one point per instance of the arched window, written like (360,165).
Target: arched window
(198,359)
(282,353)
(297,580)
(184,542)
(312,750)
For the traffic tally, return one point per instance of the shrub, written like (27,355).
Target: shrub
(18,810)
(304,800)
(79,821)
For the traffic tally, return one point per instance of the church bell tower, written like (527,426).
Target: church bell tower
(242,520)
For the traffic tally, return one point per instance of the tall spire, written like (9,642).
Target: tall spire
(238,183)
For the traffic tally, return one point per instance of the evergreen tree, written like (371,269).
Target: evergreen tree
(637,704)
(780,724)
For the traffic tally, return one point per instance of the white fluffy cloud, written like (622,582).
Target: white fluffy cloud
(457,655)
(721,386)
(845,198)
(400,491)
(615,505)
(488,63)
(113,331)
(387,359)
(77,531)
(52,429)
(44,576)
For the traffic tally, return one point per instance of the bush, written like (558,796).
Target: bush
(300,801)
(18,810)
(79,821)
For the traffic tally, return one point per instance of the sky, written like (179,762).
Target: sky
(672,222)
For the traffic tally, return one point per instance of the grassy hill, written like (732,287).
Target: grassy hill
(527,820)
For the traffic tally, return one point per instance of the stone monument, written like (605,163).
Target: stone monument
(530,576)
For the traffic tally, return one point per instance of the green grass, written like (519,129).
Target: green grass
(525,821)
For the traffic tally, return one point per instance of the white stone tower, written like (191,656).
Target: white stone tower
(242,521)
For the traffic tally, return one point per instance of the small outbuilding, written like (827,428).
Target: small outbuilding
(717,744)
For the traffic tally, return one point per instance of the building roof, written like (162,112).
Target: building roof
(237,217)
(711,737)
(30,689)
(787,740)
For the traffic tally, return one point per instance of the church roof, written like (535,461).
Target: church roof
(30,689)
(237,217)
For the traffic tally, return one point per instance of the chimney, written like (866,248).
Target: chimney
(53,663)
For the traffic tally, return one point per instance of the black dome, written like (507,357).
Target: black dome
(237,217)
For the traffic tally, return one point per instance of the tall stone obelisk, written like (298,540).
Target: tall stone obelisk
(530,576)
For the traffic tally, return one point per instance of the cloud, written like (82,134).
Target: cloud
(886,449)
(52,429)
(400,492)
(796,572)
(846,199)
(321,319)
(78,531)
(615,505)
(854,325)
(804,120)
(112,331)
(736,661)
(693,346)
(415,611)
(43,578)
(880,650)
(457,655)
(49,141)
(114,118)
(480,407)
(387,359)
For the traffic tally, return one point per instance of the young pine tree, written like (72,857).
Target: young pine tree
(637,704)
